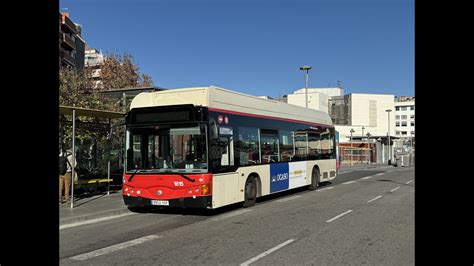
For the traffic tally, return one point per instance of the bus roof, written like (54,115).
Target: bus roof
(227,101)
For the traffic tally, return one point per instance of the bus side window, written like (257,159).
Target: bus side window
(269,145)
(286,146)
(247,146)
(301,145)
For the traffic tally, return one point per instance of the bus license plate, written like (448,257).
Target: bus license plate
(160,202)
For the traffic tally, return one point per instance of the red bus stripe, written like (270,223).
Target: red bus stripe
(267,117)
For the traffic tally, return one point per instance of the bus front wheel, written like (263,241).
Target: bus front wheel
(250,192)
(314,179)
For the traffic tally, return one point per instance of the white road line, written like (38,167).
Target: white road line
(394,189)
(367,177)
(326,188)
(93,221)
(348,182)
(227,215)
(409,182)
(380,173)
(376,198)
(288,199)
(267,252)
(113,248)
(340,215)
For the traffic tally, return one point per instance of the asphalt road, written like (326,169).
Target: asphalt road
(363,217)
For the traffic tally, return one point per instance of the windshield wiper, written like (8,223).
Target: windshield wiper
(134,173)
(186,177)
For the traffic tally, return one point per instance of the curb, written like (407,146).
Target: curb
(367,167)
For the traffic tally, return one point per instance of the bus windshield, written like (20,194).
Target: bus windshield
(163,149)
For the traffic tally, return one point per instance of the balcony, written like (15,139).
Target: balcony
(68,24)
(69,41)
(67,57)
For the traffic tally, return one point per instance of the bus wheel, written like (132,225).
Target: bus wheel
(314,179)
(250,192)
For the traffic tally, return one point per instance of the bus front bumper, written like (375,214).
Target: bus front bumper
(188,202)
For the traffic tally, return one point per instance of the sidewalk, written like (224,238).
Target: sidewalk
(101,205)
(350,168)
(93,207)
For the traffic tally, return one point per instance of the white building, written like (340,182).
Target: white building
(94,59)
(405,119)
(318,98)
(363,113)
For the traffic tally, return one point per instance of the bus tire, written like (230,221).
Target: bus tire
(250,192)
(314,179)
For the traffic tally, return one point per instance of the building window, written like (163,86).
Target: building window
(412,123)
(403,108)
(397,117)
(404,132)
(397,123)
(397,132)
(404,117)
(412,107)
(397,108)
(404,123)
(412,116)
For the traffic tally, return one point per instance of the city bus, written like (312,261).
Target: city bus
(209,147)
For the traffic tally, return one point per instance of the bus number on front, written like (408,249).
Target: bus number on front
(178,183)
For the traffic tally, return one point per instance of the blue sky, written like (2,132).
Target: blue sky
(257,46)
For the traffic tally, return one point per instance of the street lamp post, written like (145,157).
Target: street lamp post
(352,151)
(368,147)
(306,68)
(389,151)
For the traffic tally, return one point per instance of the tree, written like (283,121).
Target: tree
(77,88)
(120,71)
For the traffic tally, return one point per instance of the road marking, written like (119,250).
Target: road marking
(267,252)
(376,198)
(380,173)
(340,215)
(326,188)
(113,248)
(290,198)
(409,182)
(367,177)
(93,221)
(348,182)
(227,215)
(394,189)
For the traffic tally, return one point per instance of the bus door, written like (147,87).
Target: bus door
(226,145)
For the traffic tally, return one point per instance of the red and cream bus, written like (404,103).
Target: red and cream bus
(209,147)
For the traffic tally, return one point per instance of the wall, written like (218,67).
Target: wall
(316,100)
